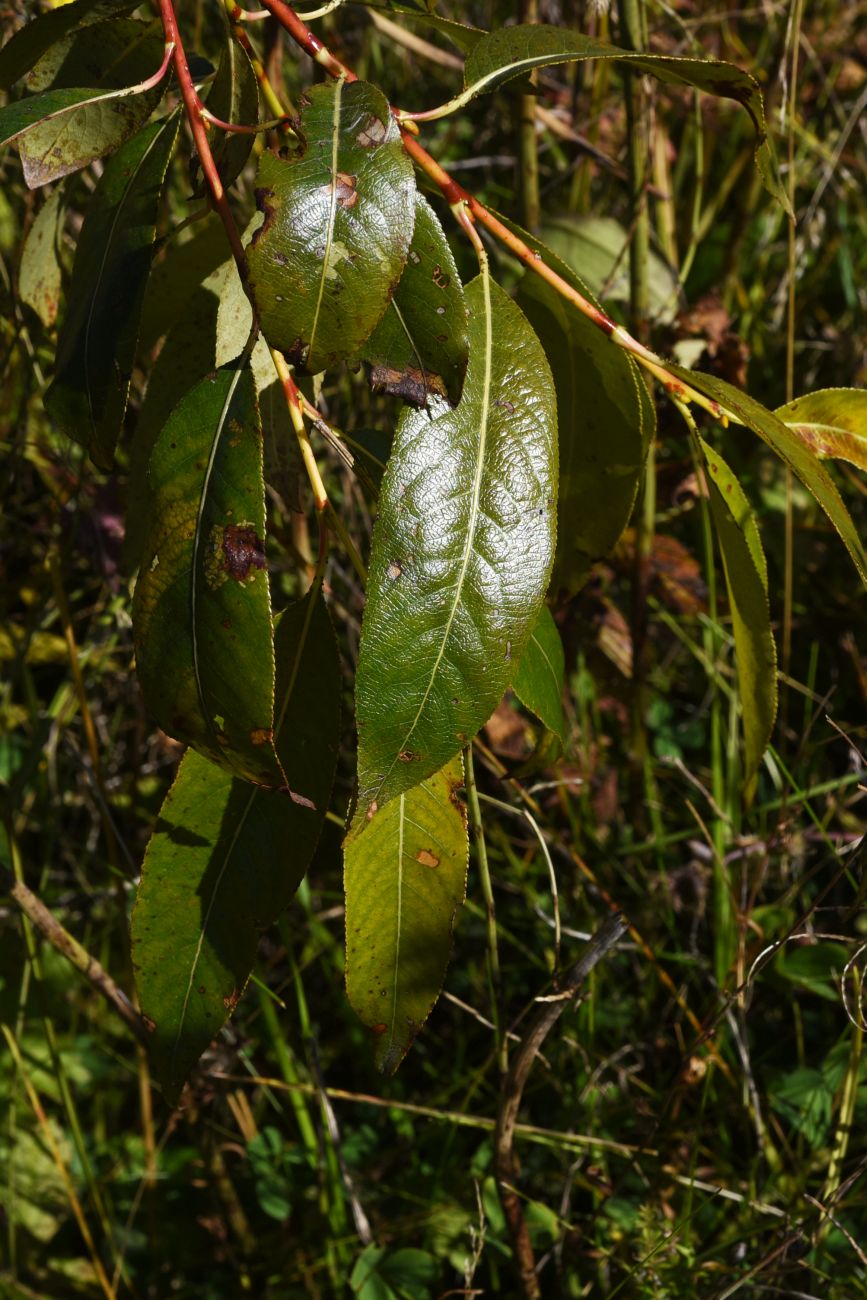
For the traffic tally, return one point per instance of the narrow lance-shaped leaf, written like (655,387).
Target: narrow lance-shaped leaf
(461,555)
(405,877)
(606,423)
(538,682)
(419,347)
(338,224)
(789,447)
(831,423)
(747,583)
(509,52)
(31,41)
(202,611)
(226,857)
(24,114)
(114,55)
(97,343)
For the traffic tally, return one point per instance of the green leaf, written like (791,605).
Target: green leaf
(40,274)
(461,555)
(234,97)
(831,423)
(184,263)
(226,857)
(98,338)
(509,52)
(31,41)
(338,224)
(607,422)
(113,56)
(419,348)
(405,877)
(599,248)
(746,576)
(789,447)
(202,611)
(538,682)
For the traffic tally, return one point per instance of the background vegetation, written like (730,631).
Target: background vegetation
(696,1125)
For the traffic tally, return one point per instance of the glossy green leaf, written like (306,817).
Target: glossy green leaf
(509,52)
(461,555)
(419,348)
(112,55)
(746,576)
(831,423)
(31,41)
(234,97)
(405,877)
(338,224)
(606,423)
(97,344)
(202,611)
(789,447)
(226,857)
(538,682)
(39,273)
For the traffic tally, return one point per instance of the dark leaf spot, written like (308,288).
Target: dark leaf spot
(243,550)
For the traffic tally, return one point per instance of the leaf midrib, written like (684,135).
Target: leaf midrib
(332,213)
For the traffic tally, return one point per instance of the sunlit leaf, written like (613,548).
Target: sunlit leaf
(97,344)
(405,877)
(831,423)
(202,613)
(419,347)
(747,583)
(338,224)
(226,857)
(111,56)
(461,555)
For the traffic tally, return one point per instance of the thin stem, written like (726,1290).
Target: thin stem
(241,128)
(528,143)
(293,401)
(236,17)
(477,830)
(789,540)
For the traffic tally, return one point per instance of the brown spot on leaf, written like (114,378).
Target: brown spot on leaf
(149,1023)
(506,406)
(440,278)
(262,196)
(371,812)
(426,858)
(231,1000)
(379,1029)
(344,187)
(411,384)
(243,550)
(261,736)
(394,570)
(407,756)
(372,133)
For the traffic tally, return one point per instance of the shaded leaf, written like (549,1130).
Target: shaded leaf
(789,447)
(234,97)
(538,682)
(226,857)
(40,274)
(606,423)
(97,344)
(746,576)
(202,611)
(181,264)
(31,41)
(98,338)
(831,423)
(598,248)
(419,348)
(110,55)
(338,224)
(405,877)
(461,555)
(510,51)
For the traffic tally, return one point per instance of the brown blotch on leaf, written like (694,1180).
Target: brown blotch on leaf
(231,1000)
(371,812)
(262,196)
(440,278)
(426,858)
(149,1023)
(243,550)
(379,1029)
(344,187)
(394,570)
(407,756)
(261,736)
(412,384)
(300,799)
(372,133)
